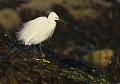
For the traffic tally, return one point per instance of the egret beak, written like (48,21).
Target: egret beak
(63,21)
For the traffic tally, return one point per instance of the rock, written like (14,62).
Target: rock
(100,58)
(9,19)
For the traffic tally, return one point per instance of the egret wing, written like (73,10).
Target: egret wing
(34,28)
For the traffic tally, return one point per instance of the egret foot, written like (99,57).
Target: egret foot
(47,61)
(42,60)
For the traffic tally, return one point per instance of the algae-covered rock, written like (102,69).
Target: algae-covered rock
(18,66)
(114,65)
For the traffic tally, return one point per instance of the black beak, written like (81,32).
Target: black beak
(62,21)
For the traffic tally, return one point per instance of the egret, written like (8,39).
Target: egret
(38,30)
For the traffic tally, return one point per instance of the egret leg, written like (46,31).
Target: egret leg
(41,51)
(43,55)
(34,51)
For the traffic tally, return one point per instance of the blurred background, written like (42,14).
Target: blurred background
(92,32)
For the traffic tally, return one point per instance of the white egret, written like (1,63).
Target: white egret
(38,30)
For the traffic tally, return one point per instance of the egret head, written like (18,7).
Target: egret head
(53,16)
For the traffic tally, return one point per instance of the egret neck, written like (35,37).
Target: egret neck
(52,23)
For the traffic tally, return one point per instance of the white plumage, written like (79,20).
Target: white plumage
(38,30)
